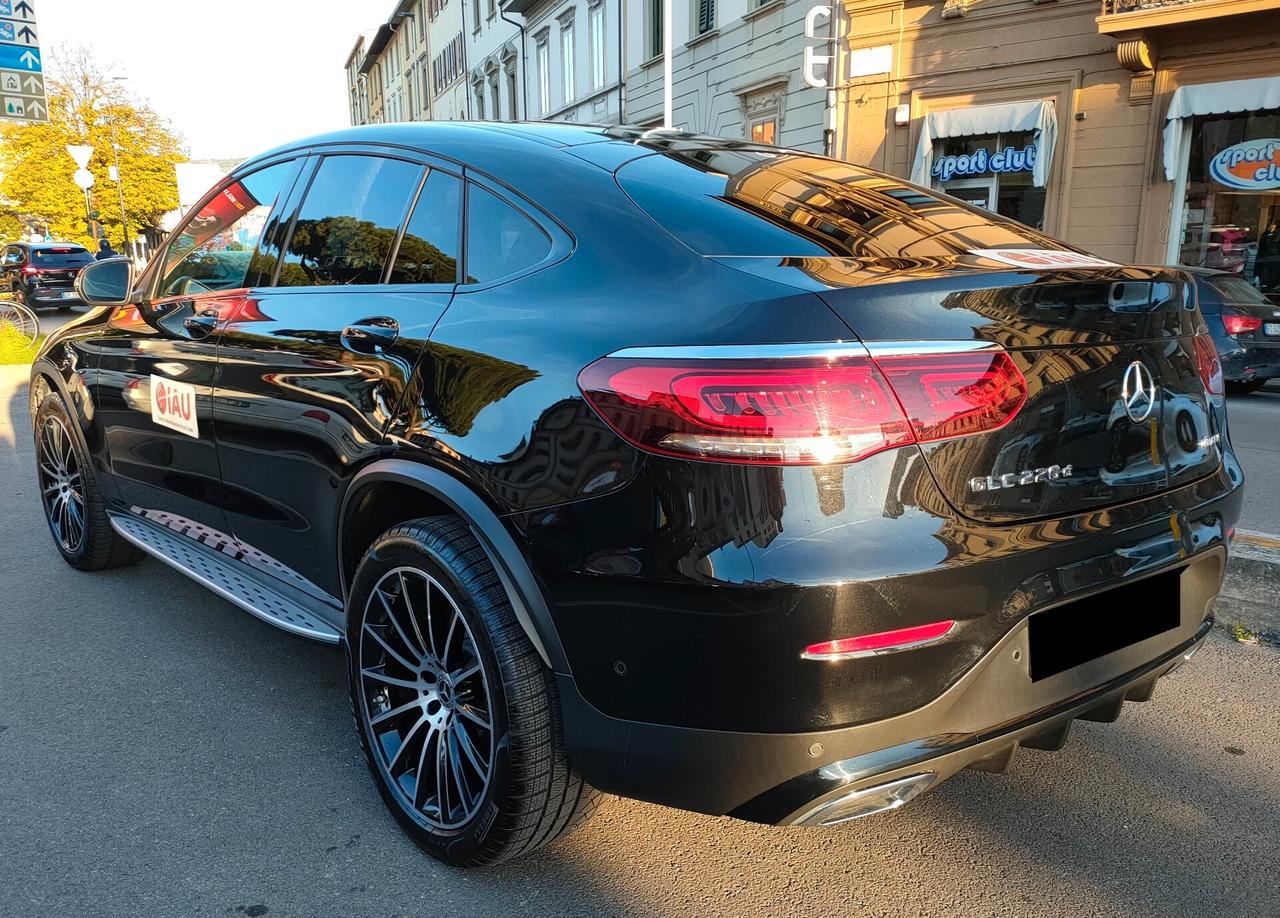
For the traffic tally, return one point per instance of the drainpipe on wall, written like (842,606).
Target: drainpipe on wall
(667,45)
(524,61)
(833,78)
(622,64)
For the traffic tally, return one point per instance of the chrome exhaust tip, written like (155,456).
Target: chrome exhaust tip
(866,802)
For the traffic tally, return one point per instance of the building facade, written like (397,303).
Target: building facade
(736,67)
(1137,129)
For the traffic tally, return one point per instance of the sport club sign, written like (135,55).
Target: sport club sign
(981,162)
(1250,166)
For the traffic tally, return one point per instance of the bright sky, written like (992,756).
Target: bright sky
(234,77)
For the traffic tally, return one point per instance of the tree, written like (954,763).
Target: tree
(85,104)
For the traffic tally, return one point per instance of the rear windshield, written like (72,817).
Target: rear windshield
(71,256)
(1237,290)
(752,202)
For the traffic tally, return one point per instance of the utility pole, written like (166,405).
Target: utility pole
(667,43)
(124,217)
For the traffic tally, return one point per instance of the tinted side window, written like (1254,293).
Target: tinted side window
(215,249)
(500,239)
(13,255)
(428,252)
(1237,290)
(348,221)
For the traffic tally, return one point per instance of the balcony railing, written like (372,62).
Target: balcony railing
(1130,15)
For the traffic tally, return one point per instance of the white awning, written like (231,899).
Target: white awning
(1214,99)
(1040,116)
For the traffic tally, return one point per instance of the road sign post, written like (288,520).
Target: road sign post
(22,91)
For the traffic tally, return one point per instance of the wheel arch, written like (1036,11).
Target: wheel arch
(46,377)
(448,494)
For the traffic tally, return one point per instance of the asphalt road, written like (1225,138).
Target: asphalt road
(1254,421)
(162,753)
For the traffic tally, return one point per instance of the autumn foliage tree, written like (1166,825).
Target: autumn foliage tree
(85,103)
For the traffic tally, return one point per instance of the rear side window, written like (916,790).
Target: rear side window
(428,252)
(737,202)
(12,256)
(1237,290)
(348,221)
(72,256)
(501,241)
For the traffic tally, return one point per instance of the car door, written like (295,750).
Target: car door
(157,358)
(309,377)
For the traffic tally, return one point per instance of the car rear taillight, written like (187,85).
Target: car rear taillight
(800,410)
(1209,365)
(882,642)
(1240,325)
(30,269)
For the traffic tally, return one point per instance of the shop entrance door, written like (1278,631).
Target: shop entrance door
(980,192)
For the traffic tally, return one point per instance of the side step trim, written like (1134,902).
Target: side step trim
(275,604)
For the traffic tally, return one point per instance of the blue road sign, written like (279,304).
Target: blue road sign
(7,32)
(16,57)
(6,7)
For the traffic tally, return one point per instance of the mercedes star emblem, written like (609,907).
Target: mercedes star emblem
(1138,394)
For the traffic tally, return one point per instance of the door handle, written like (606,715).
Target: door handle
(202,323)
(368,336)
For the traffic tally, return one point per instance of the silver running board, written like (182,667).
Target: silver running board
(256,593)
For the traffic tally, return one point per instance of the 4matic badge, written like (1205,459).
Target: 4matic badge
(1018,479)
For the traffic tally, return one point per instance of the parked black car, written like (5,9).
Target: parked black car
(42,274)
(1245,326)
(717,475)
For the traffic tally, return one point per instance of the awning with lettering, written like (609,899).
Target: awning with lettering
(1253,95)
(1040,116)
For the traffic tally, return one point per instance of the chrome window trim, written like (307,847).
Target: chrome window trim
(916,348)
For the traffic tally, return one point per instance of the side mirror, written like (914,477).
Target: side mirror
(106,283)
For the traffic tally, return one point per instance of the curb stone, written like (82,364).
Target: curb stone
(1251,589)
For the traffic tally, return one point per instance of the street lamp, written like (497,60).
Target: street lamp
(84,179)
(114,172)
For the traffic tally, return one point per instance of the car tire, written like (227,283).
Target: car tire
(413,704)
(73,504)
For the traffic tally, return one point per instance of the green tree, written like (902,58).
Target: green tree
(85,105)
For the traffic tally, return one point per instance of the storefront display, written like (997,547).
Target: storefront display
(997,157)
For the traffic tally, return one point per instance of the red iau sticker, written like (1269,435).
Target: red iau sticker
(173,405)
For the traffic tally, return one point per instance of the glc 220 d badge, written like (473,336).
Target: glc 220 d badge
(1018,479)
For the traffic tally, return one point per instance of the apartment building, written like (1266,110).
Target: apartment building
(1142,130)
(736,67)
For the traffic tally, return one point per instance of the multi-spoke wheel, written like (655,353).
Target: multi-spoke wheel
(69,495)
(22,320)
(426,697)
(61,484)
(457,713)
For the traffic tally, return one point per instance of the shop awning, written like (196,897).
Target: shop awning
(1214,99)
(1040,116)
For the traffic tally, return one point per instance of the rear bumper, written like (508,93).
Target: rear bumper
(1247,364)
(52,296)
(978,722)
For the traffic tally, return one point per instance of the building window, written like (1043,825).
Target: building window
(544,76)
(513,111)
(764,130)
(475,15)
(567,60)
(493,8)
(595,28)
(704,16)
(495,103)
(653,28)
(991,171)
(477,89)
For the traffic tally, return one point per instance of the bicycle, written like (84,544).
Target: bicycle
(22,319)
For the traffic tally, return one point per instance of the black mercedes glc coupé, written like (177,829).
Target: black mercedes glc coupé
(717,475)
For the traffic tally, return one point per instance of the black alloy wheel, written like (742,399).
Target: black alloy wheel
(426,698)
(457,713)
(61,483)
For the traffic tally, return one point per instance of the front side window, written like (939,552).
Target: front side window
(348,222)
(215,249)
(501,241)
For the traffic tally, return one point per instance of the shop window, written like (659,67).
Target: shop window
(1232,206)
(992,171)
